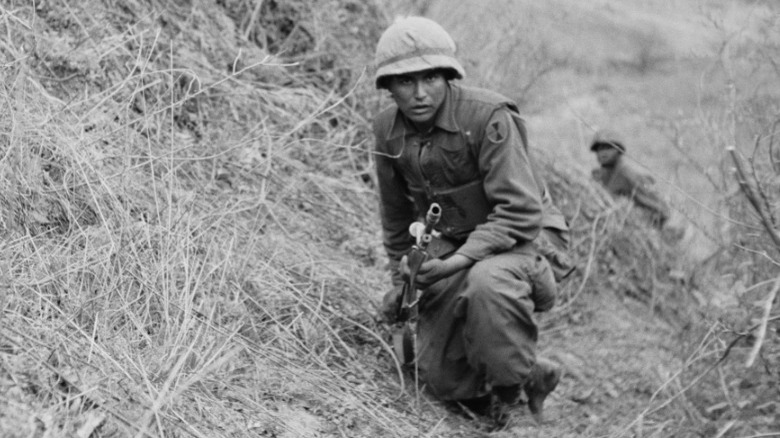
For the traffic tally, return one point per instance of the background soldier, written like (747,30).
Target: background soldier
(623,178)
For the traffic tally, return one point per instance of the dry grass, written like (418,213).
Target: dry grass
(183,234)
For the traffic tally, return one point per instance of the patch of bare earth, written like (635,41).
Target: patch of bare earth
(615,355)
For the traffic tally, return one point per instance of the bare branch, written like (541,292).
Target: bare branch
(759,188)
(774,158)
(754,199)
(761,334)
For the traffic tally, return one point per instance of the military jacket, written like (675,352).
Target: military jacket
(473,162)
(625,179)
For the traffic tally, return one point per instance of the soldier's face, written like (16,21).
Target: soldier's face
(419,95)
(606,155)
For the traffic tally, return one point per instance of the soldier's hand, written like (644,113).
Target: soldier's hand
(434,270)
(403,268)
(391,303)
(427,274)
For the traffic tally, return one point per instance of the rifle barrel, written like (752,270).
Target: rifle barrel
(432,217)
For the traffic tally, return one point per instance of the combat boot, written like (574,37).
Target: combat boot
(543,379)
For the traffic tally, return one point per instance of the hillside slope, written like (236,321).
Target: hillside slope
(190,243)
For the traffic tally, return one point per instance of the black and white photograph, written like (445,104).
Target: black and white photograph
(389,218)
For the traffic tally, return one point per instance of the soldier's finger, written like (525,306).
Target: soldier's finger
(403,268)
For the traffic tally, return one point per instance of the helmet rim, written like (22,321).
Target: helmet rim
(607,137)
(414,44)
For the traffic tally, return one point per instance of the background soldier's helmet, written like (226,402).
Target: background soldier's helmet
(608,137)
(413,44)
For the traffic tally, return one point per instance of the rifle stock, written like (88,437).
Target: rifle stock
(404,338)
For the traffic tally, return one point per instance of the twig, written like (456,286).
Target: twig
(759,189)
(761,254)
(725,388)
(773,158)
(726,427)
(588,265)
(770,299)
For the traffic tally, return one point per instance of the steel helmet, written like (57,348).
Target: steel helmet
(413,44)
(609,138)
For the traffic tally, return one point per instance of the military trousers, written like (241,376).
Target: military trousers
(476,328)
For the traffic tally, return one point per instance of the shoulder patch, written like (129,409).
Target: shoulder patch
(497,131)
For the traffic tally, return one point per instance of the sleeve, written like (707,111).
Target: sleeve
(510,187)
(395,207)
(649,199)
(644,194)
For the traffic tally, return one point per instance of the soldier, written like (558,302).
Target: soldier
(623,178)
(465,149)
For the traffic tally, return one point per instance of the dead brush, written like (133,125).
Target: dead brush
(728,386)
(613,245)
(158,275)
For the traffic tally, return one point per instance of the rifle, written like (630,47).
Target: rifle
(405,337)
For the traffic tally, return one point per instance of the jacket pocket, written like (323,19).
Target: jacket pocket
(544,289)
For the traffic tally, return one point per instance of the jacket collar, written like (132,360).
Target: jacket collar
(445,117)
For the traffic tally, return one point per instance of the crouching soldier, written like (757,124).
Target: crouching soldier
(622,178)
(465,150)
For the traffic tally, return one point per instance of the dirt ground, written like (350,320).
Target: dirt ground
(614,354)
